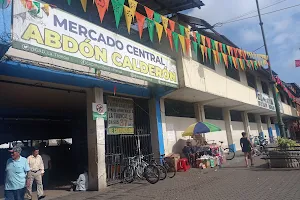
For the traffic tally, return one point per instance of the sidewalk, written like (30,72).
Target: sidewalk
(234,181)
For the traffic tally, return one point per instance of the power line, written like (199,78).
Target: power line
(254,11)
(258,48)
(221,24)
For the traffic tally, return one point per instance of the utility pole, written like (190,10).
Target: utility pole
(279,118)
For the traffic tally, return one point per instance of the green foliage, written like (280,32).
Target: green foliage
(286,143)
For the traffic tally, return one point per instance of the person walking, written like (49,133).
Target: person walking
(36,173)
(16,170)
(246,149)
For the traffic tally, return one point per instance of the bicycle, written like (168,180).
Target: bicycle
(138,168)
(229,152)
(165,168)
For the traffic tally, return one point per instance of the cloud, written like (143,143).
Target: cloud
(250,35)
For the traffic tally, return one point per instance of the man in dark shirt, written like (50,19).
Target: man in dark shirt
(189,152)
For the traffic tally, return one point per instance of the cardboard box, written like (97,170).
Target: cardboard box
(172,159)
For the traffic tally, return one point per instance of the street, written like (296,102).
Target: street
(234,181)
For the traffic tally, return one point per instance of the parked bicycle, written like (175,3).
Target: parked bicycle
(166,169)
(138,168)
(229,152)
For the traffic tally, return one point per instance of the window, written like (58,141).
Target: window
(251,80)
(265,87)
(233,73)
(213,113)
(236,116)
(179,108)
(251,117)
(263,119)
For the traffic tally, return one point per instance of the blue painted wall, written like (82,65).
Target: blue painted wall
(159,126)
(277,130)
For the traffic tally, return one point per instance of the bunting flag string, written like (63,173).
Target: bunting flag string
(194,36)
(209,54)
(203,40)
(84,3)
(128,17)
(69,2)
(141,21)
(159,30)
(181,29)
(187,32)
(101,7)
(165,22)
(198,38)
(216,45)
(175,39)
(225,59)
(202,51)
(208,42)
(150,24)
(215,57)
(169,34)
(149,12)
(230,61)
(157,17)
(188,45)
(118,10)
(172,25)
(195,47)
(132,5)
(182,42)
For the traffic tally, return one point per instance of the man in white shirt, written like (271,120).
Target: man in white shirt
(36,172)
(82,182)
(47,166)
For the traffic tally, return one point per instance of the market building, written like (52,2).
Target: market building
(64,74)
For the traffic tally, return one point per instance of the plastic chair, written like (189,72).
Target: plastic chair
(183,164)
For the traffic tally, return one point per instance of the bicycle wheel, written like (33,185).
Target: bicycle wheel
(162,172)
(128,174)
(151,174)
(171,171)
(229,153)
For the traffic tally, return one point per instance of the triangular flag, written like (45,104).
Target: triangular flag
(149,12)
(231,51)
(187,32)
(69,2)
(128,17)
(165,23)
(224,48)
(213,44)
(101,6)
(195,47)
(228,50)
(255,65)
(203,40)
(169,34)
(208,42)
(84,3)
(225,59)
(188,45)
(118,10)
(159,30)
(234,62)
(150,24)
(240,53)
(172,25)
(198,38)
(194,36)
(140,20)
(220,57)
(230,60)
(235,52)
(181,29)
(29,5)
(132,5)
(205,52)
(216,56)
(157,17)
(182,42)
(209,54)
(216,45)
(220,47)
(46,9)
(244,55)
(202,51)
(241,64)
(175,40)
(107,4)
(252,65)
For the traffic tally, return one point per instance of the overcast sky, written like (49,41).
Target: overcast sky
(282,30)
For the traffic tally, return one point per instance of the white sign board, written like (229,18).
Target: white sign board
(54,33)
(120,116)
(264,101)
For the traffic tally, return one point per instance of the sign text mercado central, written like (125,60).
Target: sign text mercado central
(66,37)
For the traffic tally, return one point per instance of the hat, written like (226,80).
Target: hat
(16,149)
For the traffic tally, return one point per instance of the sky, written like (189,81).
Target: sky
(282,30)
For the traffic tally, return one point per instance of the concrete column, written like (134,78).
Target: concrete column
(228,126)
(246,123)
(199,111)
(96,142)
(259,125)
(270,131)
(157,138)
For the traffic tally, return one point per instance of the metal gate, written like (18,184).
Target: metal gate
(120,147)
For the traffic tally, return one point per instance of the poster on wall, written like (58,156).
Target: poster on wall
(99,111)
(264,101)
(120,119)
(54,33)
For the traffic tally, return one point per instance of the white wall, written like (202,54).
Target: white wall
(237,129)
(175,126)
(253,129)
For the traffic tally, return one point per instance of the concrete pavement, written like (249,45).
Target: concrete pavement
(231,182)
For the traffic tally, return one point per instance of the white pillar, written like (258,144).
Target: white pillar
(228,126)
(259,125)
(199,112)
(246,123)
(96,142)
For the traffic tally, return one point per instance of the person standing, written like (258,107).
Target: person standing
(246,148)
(16,171)
(36,173)
(47,167)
